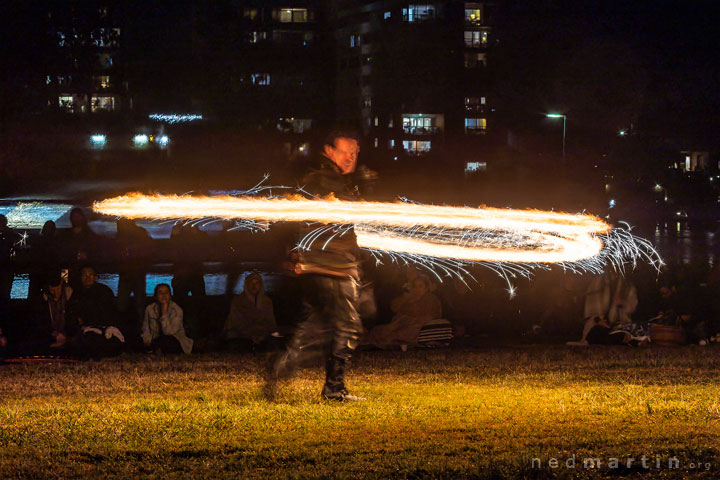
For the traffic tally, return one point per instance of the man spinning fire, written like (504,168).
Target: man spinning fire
(331,269)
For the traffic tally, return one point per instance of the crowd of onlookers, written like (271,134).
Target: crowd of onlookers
(68,312)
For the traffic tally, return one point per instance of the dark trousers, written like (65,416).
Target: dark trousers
(135,285)
(6,281)
(331,330)
(167,344)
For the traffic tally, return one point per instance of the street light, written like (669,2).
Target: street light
(559,115)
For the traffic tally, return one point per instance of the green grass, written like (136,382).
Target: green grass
(449,414)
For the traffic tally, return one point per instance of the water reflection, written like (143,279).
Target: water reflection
(215,283)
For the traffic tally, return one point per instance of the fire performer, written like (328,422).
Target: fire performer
(331,268)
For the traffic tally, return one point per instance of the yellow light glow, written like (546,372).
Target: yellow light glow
(547,236)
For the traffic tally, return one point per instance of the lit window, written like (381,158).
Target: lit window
(391,143)
(475,125)
(354,41)
(256,37)
(376,142)
(294,125)
(367,102)
(387,15)
(98,140)
(471,167)
(476,38)
(416,146)
(418,13)
(100,103)
(377,121)
(473,13)
(260,78)
(101,82)
(250,13)
(67,103)
(474,60)
(293,15)
(422,124)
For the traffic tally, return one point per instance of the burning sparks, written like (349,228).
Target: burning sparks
(509,241)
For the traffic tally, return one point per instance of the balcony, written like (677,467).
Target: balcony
(412,130)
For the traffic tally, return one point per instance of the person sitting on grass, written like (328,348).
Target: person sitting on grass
(95,316)
(414,310)
(251,321)
(610,301)
(51,316)
(162,328)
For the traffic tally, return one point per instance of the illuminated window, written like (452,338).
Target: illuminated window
(471,167)
(99,103)
(354,41)
(422,124)
(377,142)
(294,125)
(250,13)
(473,13)
(367,102)
(391,144)
(293,15)
(67,103)
(474,60)
(387,15)
(416,146)
(418,13)
(475,125)
(476,38)
(260,78)
(256,37)
(101,82)
(105,37)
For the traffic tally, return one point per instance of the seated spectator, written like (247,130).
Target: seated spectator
(610,301)
(251,321)
(51,317)
(681,309)
(417,313)
(93,311)
(162,329)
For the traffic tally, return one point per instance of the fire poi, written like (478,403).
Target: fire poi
(445,237)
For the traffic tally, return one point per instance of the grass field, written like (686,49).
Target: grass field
(493,413)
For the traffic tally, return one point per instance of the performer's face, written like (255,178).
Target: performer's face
(344,154)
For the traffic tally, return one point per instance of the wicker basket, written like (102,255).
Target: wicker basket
(667,335)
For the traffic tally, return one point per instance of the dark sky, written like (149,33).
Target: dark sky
(611,63)
(608,63)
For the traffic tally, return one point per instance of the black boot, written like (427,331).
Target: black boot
(334,388)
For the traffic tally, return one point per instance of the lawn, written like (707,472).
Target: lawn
(525,412)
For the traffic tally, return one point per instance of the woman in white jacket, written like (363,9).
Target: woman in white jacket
(162,328)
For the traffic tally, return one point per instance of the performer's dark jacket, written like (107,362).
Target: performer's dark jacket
(340,256)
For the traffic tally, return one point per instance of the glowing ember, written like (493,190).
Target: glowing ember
(461,233)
